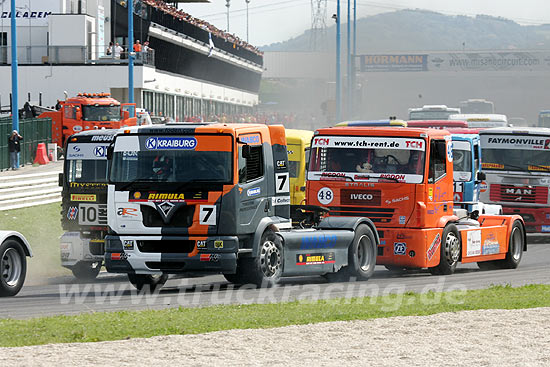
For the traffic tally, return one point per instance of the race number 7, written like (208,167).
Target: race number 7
(207,215)
(282,183)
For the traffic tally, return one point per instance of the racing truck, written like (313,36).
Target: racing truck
(89,111)
(215,198)
(84,202)
(14,250)
(517,164)
(402,179)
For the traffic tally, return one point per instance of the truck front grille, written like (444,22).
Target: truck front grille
(377,215)
(167,246)
(182,218)
(519,194)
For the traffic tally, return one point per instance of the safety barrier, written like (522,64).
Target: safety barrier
(34,131)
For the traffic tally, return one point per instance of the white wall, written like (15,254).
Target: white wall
(67,30)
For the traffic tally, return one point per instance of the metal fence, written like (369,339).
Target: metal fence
(72,55)
(34,131)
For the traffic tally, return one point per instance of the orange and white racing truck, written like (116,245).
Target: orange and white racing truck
(89,111)
(402,179)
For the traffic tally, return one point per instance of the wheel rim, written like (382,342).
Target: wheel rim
(363,253)
(11,267)
(452,248)
(516,242)
(270,258)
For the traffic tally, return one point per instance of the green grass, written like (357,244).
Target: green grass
(41,226)
(125,324)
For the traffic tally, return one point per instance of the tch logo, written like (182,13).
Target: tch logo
(321,141)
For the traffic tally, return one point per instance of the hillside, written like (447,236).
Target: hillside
(413,30)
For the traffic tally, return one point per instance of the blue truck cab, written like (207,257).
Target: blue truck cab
(468,177)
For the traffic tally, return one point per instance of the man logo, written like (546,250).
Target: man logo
(99,151)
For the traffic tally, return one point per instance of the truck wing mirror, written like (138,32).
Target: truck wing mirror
(110,150)
(481,176)
(246,151)
(60,182)
(125,115)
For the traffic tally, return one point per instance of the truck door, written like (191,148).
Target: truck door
(440,180)
(130,107)
(252,183)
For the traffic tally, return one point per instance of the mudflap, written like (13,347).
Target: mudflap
(315,252)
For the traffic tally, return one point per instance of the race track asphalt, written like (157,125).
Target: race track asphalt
(111,292)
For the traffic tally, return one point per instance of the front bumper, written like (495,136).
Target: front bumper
(73,249)
(126,254)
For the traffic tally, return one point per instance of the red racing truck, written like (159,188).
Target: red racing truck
(402,179)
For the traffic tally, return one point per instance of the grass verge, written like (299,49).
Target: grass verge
(41,226)
(142,324)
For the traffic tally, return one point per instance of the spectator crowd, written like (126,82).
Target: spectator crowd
(183,16)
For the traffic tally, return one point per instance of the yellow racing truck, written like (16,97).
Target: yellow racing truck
(298,143)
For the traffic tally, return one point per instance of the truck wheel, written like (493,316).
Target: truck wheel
(267,267)
(13,268)
(361,257)
(84,270)
(147,281)
(515,248)
(450,250)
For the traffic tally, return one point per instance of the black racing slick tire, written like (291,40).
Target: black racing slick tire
(264,269)
(13,268)
(516,244)
(361,257)
(147,282)
(86,271)
(450,251)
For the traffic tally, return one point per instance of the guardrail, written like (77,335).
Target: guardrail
(21,191)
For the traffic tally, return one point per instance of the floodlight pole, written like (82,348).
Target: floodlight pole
(130,51)
(247,2)
(338,71)
(14,89)
(227,5)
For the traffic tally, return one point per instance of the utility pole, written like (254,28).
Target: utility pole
(348,93)
(353,78)
(14,90)
(130,51)
(247,2)
(227,5)
(338,77)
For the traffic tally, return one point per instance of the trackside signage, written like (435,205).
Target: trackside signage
(520,142)
(170,143)
(368,143)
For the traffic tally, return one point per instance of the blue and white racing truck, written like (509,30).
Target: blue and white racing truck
(468,176)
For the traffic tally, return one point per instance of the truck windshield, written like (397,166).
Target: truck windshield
(374,159)
(431,115)
(86,162)
(527,153)
(171,160)
(462,161)
(101,113)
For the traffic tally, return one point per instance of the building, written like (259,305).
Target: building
(62,47)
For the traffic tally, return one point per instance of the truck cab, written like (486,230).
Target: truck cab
(84,202)
(402,179)
(298,143)
(515,161)
(215,198)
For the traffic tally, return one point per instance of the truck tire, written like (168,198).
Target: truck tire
(361,257)
(147,282)
(13,268)
(266,268)
(85,271)
(450,250)
(516,243)
(515,247)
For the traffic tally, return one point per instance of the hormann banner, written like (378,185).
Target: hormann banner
(393,62)
(457,61)
(522,142)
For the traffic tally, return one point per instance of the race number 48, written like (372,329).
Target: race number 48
(325,196)
(207,215)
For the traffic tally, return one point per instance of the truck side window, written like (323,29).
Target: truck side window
(69,112)
(476,158)
(438,164)
(251,168)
